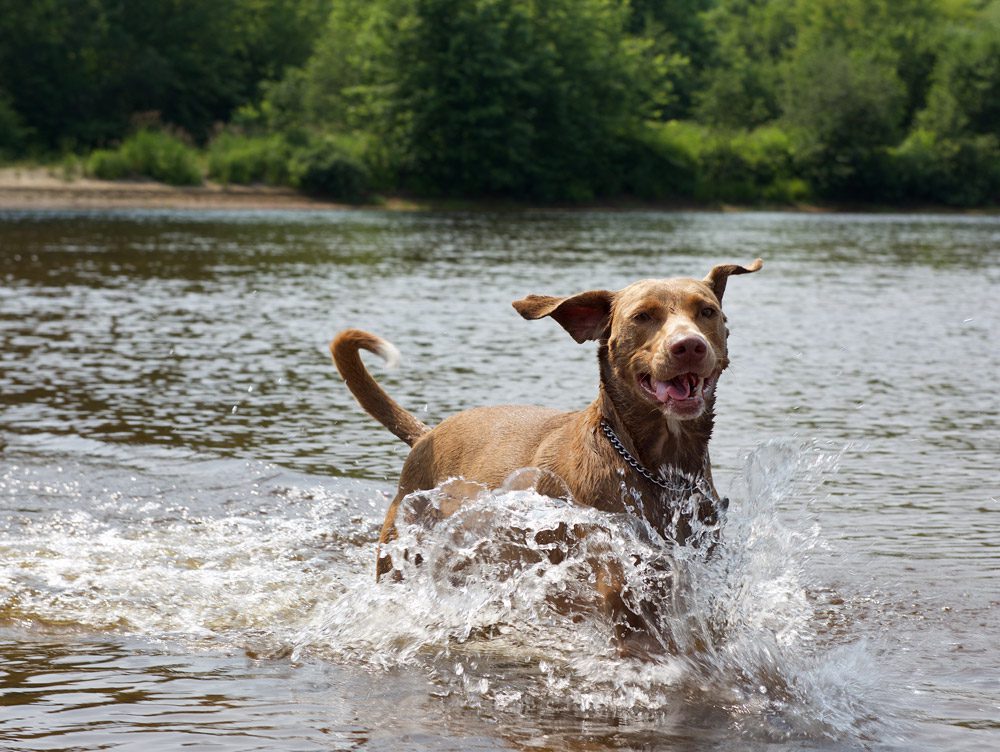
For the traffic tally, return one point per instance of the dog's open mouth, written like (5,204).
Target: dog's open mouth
(684,393)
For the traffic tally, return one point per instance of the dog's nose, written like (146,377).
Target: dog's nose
(689,349)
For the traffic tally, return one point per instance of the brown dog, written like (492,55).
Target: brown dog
(662,347)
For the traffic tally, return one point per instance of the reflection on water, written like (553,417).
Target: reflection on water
(126,694)
(189,497)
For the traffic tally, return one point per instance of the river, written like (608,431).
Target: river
(190,498)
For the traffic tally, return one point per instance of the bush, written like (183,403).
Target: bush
(657,166)
(751,166)
(151,154)
(846,107)
(717,165)
(13,133)
(961,171)
(325,168)
(482,98)
(244,160)
(108,165)
(965,95)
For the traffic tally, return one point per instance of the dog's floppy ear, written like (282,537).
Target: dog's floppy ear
(719,275)
(585,316)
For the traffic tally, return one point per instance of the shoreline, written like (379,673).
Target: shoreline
(41,188)
(27,188)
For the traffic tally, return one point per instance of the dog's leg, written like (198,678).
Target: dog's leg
(383,563)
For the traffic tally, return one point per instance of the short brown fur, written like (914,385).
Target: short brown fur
(650,334)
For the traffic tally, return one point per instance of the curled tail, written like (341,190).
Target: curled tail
(372,397)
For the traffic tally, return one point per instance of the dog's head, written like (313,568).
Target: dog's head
(665,339)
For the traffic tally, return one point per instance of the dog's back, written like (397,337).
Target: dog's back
(484,445)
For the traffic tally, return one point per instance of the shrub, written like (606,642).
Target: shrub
(752,166)
(720,165)
(244,160)
(13,133)
(787,191)
(108,165)
(151,154)
(326,168)
(482,98)
(658,166)
(847,107)
(964,97)
(963,171)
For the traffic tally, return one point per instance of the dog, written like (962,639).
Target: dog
(640,447)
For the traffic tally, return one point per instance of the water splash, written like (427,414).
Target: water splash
(496,603)
(133,559)
(481,589)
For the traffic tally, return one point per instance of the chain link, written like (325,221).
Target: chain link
(693,484)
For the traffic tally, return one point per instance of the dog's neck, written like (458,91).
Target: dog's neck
(653,439)
(656,441)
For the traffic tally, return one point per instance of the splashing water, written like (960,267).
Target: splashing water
(496,603)
(481,589)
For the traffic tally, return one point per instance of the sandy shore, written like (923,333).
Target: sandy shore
(46,188)
(39,188)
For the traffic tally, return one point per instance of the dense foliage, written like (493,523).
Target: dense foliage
(712,100)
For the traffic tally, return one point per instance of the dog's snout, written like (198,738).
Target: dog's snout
(690,349)
(690,346)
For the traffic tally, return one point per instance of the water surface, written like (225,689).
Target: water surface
(189,497)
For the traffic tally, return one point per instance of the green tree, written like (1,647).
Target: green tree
(54,69)
(743,82)
(467,100)
(847,108)
(676,29)
(13,133)
(486,97)
(77,71)
(965,95)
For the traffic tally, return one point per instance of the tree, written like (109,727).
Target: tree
(486,97)
(847,107)
(743,82)
(676,29)
(965,94)
(78,71)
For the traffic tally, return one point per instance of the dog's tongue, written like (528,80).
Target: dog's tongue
(678,388)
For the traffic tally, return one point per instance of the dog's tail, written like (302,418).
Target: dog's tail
(372,397)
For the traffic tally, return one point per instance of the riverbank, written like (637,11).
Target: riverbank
(42,188)
(33,187)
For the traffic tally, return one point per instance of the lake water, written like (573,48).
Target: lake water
(189,497)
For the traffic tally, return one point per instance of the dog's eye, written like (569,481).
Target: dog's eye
(708,312)
(642,317)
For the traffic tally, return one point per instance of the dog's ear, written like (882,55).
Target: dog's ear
(720,274)
(585,316)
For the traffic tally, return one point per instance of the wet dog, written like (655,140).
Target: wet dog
(640,447)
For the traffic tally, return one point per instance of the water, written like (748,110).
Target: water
(189,497)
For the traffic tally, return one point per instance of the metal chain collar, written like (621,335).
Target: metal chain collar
(694,484)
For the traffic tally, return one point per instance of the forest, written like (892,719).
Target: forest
(885,102)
